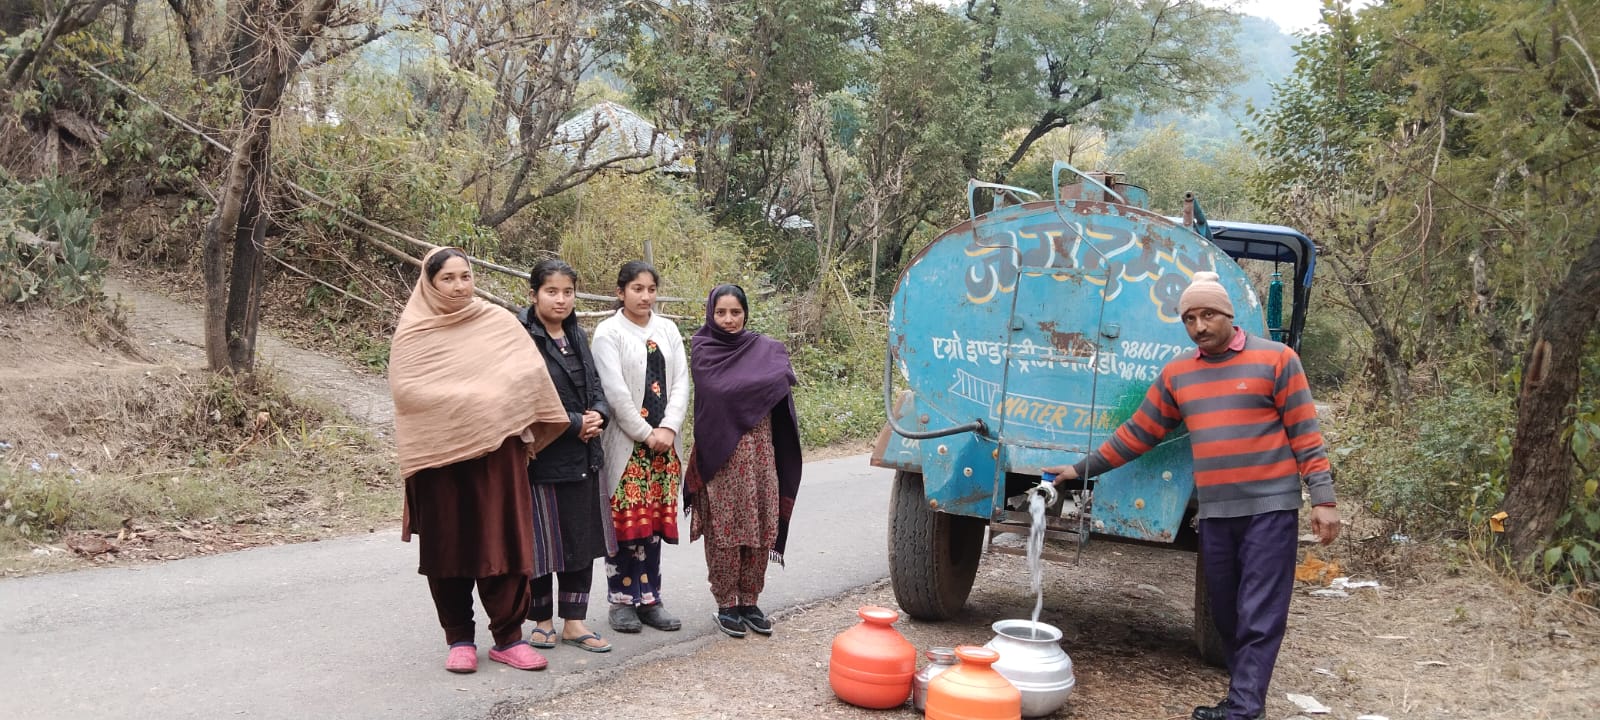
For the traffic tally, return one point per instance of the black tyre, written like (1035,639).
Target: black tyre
(933,556)
(1206,638)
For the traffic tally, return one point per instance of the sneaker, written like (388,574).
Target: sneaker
(462,659)
(625,619)
(730,622)
(755,619)
(656,616)
(519,655)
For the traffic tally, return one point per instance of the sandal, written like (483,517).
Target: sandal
(755,619)
(730,622)
(548,638)
(581,642)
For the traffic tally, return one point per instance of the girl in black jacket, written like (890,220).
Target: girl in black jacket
(572,515)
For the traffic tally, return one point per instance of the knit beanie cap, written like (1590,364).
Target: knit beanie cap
(1205,292)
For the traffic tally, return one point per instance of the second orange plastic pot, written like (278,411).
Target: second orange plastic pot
(973,690)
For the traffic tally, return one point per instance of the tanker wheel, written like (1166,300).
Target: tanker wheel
(933,556)
(1206,638)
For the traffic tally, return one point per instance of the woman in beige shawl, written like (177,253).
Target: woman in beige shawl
(472,401)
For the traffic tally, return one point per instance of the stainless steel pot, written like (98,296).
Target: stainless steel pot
(1032,659)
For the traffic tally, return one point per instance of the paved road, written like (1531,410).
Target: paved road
(344,628)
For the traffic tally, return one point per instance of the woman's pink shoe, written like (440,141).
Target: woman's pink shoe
(462,659)
(519,655)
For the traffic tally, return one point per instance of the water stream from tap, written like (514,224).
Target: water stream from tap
(1036,507)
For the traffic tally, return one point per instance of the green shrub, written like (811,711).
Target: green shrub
(47,244)
(840,397)
(1322,353)
(36,505)
(1440,468)
(833,412)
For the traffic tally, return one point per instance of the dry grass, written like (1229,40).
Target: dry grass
(106,456)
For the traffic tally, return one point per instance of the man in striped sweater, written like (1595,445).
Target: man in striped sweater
(1254,434)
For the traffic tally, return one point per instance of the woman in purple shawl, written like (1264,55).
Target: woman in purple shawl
(744,471)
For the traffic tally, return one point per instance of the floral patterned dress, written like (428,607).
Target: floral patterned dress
(740,505)
(645,503)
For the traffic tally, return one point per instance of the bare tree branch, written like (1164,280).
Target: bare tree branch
(373,34)
(72,17)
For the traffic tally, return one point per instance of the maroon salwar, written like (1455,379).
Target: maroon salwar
(474,520)
(505,599)
(738,516)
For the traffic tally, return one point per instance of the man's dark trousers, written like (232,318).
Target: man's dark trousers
(1249,568)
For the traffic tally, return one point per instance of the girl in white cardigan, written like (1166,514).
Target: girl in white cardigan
(645,374)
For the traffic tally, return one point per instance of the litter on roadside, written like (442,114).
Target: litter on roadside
(1308,704)
(1345,583)
(1314,570)
(1339,587)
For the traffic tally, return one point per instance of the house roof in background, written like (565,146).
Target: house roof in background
(624,133)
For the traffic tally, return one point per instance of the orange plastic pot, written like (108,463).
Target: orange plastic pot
(872,663)
(973,690)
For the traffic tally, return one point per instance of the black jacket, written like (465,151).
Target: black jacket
(568,459)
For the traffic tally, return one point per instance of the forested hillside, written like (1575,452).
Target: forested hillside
(289,160)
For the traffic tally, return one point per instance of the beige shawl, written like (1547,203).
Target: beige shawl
(465,376)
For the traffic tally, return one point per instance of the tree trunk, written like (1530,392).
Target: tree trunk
(1484,307)
(1386,343)
(130,37)
(239,188)
(249,253)
(1539,481)
(1041,127)
(971,159)
(265,64)
(261,45)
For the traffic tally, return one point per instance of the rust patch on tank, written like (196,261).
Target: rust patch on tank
(1071,344)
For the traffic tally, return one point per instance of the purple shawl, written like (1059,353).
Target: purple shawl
(740,378)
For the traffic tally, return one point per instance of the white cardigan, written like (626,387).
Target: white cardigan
(620,356)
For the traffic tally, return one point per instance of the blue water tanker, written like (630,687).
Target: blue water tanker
(1021,339)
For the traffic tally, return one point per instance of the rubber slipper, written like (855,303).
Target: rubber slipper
(547,641)
(463,658)
(519,655)
(578,642)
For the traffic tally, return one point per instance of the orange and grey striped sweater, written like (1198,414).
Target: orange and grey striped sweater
(1251,422)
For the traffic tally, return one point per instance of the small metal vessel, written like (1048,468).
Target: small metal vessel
(940,659)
